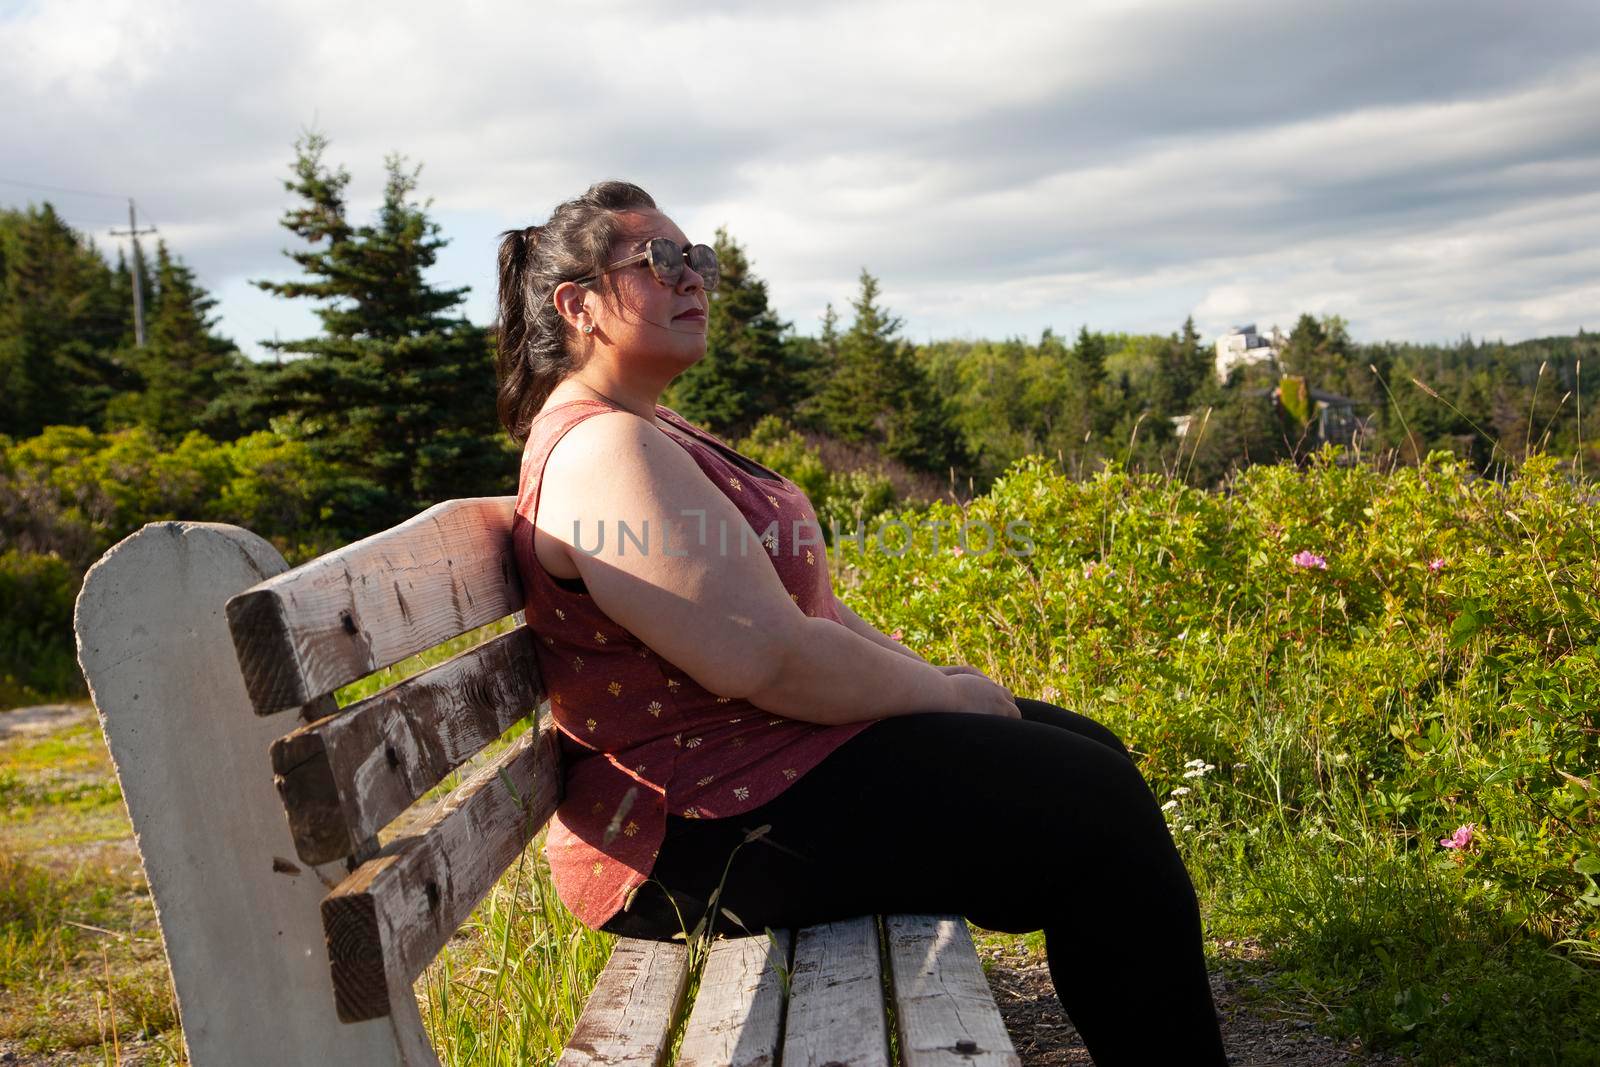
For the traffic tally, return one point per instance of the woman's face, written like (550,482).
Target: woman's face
(648,318)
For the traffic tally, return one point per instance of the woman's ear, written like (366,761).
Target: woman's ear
(569,299)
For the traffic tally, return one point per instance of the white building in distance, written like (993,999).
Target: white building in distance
(1243,345)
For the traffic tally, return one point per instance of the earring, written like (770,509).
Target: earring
(588,327)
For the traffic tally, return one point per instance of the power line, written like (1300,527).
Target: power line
(59,189)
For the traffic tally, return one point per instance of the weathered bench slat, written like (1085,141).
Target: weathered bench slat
(836,1012)
(374,602)
(388,920)
(945,1014)
(346,776)
(737,1019)
(628,1016)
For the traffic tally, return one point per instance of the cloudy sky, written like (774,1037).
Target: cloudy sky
(1425,169)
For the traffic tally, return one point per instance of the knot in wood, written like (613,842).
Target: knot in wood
(348,621)
(966,1046)
(432,889)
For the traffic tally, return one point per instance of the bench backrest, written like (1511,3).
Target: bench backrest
(240,917)
(349,772)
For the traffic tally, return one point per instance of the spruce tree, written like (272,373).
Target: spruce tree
(1086,412)
(816,359)
(397,390)
(1196,365)
(1184,369)
(854,400)
(877,393)
(184,366)
(64,326)
(748,371)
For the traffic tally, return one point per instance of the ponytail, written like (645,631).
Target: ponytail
(533,340)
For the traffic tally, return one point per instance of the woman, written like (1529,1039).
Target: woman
(707,682)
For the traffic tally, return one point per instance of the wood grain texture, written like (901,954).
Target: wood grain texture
(345,777)
(836,1013)
(389,918)
(628,1017)
(738,1013)
(372,603)
(945,1014)
(239,921)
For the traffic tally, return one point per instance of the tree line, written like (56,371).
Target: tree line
(389,406)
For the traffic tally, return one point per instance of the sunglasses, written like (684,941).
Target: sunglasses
(666,261)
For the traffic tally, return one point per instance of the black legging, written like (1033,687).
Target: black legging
(1038,824)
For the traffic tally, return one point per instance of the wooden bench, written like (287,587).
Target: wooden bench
(298,940)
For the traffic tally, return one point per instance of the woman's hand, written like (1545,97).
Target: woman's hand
(963,668)
(967,668)
(972,691)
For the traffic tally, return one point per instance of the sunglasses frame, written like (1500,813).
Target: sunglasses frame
(655,272)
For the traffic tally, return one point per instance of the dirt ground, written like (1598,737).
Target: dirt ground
(1045,1037)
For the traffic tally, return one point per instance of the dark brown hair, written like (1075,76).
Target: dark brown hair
(533,338)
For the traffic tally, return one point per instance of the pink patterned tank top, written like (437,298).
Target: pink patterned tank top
(642,738)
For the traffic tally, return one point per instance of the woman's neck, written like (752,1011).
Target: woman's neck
(642,404)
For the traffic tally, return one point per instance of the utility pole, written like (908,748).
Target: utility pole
(133,232)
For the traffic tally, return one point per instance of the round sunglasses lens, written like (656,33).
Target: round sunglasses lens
(666,260)
(704,261)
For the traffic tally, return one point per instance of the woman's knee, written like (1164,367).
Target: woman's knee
(1053,715)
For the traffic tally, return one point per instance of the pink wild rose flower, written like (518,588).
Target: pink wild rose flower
(1436,565)
(1461,839)
(1309,560)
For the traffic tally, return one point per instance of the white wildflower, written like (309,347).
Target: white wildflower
(1180,791)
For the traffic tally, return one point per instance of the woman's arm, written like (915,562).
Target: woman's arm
(861,626)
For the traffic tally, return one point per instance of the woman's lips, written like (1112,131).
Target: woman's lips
(691,316)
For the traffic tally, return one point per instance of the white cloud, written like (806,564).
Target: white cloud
(1423,170)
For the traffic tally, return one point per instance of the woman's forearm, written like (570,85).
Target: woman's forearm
(857,624)
(829,674)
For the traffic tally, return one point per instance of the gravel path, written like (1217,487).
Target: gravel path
(41,719)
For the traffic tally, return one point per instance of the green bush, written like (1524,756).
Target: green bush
(840,498)
(38,591)
(1431,662)
(69,494)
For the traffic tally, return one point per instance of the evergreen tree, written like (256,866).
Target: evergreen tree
(1183,371)
(748,370)
(184,366)
(64,325)
(1194,366)
(396,390)
(1086,412)
(877,393)
(854,398)
(815,360)
(1320,352)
